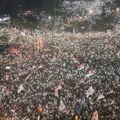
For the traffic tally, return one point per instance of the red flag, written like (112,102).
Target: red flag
(90,73)
(81,80)
(95,116)
(13,50)
(39,44)
(80,66)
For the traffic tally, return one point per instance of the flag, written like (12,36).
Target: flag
(54,59)
(100,96)
(82,100)
(80,66)
(41,66)
(56,93)
(95,116)
(90,73)
(75,60)
(112,102)
(111,91)
(118,54)
(27,77)
(20,88)
(38,118)
(90,91)
(38,44)
(33,67)
(81,103)
(62,106)
(22,73)
(57,87)
(81,80)
(43,56)
(13,50)
(65,111)
(7,68)
(23,33)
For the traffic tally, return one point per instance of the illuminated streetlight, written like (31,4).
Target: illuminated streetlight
(90,12)
(49,17)
(117,9)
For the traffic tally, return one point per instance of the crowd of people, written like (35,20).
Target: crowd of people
(49,76)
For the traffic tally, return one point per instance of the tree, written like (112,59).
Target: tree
(76,11)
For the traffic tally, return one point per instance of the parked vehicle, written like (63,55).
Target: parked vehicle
(5,19)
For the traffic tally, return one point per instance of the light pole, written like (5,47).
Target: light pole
(117,12)
(90,13)
(49,19)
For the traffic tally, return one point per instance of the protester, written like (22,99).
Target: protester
(73,77)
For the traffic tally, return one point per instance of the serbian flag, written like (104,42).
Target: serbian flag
(13,50)
(90,73)
(76,60)
(20,88)
(80,66)
(81,80)
(95,116)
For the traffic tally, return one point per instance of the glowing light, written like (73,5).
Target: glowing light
(49,17)
(117,9)
(90,12)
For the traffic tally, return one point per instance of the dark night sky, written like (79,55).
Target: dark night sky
(47,5)
(11,6)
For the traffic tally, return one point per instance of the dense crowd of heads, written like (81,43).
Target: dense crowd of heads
(71,75)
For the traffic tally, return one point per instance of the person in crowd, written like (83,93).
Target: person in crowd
(79,79)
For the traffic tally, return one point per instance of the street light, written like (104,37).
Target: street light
(117,9)
(49,17)
(90,12)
